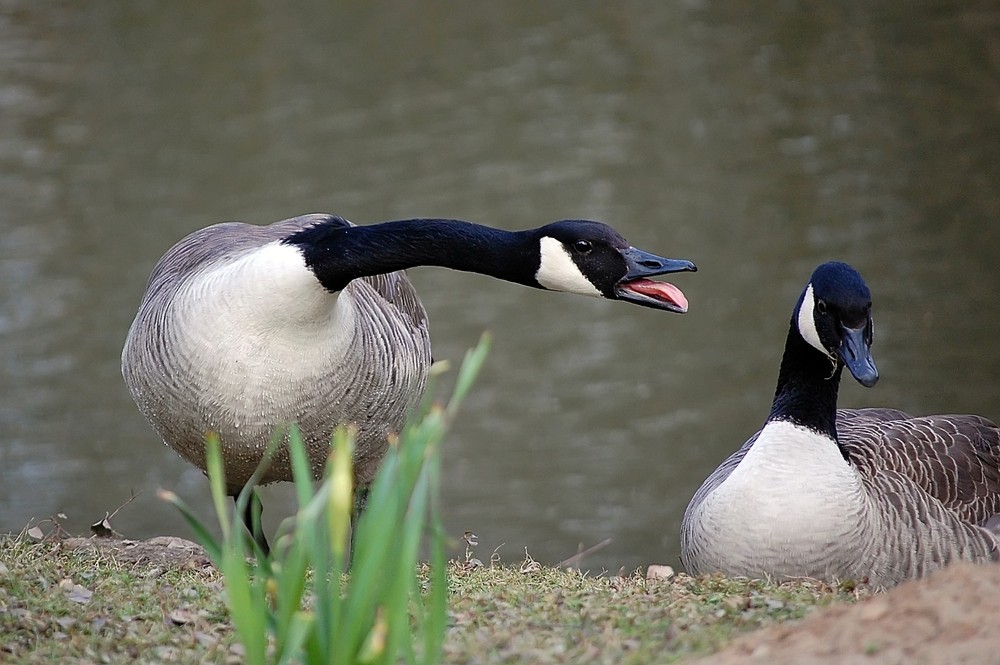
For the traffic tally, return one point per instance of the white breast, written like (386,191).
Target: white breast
(792,507)
(260,317)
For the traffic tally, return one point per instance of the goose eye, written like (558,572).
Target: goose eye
(583,246)
(821,306)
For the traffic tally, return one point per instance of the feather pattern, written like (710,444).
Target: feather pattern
(953,459)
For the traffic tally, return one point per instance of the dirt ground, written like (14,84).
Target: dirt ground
(163,551)
(949,618)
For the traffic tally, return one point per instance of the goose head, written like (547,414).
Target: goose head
(591,258)
(834,316)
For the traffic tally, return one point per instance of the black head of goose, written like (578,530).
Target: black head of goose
(244,329)
(851,494)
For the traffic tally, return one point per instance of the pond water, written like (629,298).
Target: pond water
(757,141)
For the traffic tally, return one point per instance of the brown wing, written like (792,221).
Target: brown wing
(953,458)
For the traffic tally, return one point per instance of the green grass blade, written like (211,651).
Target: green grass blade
(436,612)
(403,579)
(340,504)
(290,586)
(213,547)
(217,483)
(247,604)
(301,469)
(376,547)
(294,549)
(248,494)
(467,373)
(298,631)
(295,638)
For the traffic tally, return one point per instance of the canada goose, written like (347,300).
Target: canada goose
(244,329)
(849,494)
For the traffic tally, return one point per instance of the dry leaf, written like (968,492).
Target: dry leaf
(472,563)
(102,529)
(79,594)
(180,617)
(530,565)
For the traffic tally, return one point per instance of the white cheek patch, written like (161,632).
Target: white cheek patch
(558,272)
(807,321)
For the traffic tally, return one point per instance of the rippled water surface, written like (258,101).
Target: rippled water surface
(755,140)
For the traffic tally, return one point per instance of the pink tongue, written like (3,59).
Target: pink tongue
(659,290)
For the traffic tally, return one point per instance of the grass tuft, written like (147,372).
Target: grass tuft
(376,614)
(503,614)
(70,601)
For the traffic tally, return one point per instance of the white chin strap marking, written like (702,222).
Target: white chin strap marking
(558,272)
(807,321)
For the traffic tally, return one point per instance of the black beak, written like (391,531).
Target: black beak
(635,287)
(643,264)
(855,351)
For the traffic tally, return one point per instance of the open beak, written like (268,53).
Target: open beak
(856,353)
(636,287)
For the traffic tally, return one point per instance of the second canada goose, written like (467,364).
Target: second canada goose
(244,329)
(849,494)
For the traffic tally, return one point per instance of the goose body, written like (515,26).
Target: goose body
(245,329)
(236,335)
(845,494)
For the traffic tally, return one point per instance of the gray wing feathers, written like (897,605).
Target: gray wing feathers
(395,288)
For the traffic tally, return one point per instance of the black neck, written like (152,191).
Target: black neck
(339,254)
(808,382)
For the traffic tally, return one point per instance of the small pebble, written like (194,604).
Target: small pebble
(659,573)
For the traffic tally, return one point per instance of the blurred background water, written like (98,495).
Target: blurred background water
(757,140)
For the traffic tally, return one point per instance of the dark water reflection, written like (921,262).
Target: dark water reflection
(757,141)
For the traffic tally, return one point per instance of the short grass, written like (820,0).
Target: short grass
(79,605)
(529,613)
(84,605)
